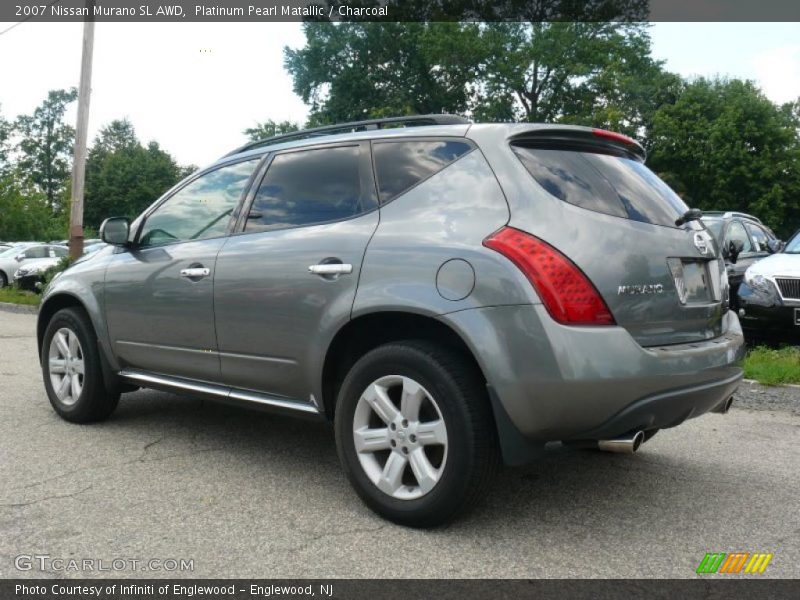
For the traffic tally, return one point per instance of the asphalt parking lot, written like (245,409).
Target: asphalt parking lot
(246,494)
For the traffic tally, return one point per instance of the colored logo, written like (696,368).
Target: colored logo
(736,562)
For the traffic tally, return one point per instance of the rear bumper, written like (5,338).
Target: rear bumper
(560,383)
(667,409)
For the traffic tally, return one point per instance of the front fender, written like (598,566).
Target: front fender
(80,285)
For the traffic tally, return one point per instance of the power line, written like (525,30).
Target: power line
(28,18)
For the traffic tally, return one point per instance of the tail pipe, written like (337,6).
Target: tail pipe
(626,444)
(724,407)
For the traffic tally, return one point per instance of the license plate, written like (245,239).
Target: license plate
(797,316)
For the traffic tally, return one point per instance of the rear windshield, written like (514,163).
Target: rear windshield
(714,226)
(613,185)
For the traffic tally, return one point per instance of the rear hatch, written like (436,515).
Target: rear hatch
(616,220)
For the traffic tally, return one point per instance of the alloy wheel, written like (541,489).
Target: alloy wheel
(400,437)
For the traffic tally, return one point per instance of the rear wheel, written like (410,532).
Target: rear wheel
(415,433)
(72,370)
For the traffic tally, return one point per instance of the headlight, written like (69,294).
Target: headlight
(757,282)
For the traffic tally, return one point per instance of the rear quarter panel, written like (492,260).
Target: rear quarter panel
(445,217)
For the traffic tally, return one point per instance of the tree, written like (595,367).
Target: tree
(725,146)
(45,146)
(574,72)
(27,216)
(352,71)
(592,73)
(5,138)
(269,128)
(123,177)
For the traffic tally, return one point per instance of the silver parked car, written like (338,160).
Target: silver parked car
(27,255)
(446,294)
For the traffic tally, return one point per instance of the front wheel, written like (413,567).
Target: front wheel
(72,371)
(415,433)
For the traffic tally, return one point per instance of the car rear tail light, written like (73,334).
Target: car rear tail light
(613,135)
(566,292)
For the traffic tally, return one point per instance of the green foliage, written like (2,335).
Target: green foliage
(123,177)
(353,71)
(591,73)
(726,146)
(50,273)
(27,215)
(269,128)
(45,146)
(773,367)
(5,139)
(14,295)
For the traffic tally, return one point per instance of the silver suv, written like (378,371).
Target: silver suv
(449,295)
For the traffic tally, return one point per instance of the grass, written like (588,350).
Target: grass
(17,296)
(773,367)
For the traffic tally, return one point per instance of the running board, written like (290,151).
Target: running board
(219,392)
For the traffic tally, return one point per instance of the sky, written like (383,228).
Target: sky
(194,87)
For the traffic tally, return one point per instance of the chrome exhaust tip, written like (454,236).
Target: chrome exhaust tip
(626,444)
(724,407)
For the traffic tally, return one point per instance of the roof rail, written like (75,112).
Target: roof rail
(409,121)
(728,214)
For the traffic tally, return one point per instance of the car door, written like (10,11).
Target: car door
(288,277)
(159,293)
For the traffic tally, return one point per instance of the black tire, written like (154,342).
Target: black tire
(3,280)
(94,403)
(472,451)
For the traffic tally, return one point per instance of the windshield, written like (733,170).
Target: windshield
(793,247)
(13,251)
(714,226)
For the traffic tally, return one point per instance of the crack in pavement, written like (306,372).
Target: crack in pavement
(54,497)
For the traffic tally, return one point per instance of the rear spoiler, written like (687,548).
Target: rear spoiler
(581,139)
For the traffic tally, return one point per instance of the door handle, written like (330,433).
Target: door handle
(195,272)
(331,269)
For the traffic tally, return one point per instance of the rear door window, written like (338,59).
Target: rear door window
(614,185)
(310,187)
(400,165)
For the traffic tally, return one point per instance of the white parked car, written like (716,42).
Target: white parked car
(13,259)
(769,297)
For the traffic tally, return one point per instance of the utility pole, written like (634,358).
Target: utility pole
(81,133)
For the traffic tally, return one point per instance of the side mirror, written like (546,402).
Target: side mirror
(774,246)
(115,231)
(735,247)
(20,257)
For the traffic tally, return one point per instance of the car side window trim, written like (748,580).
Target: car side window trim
(368,195)
(441,138)
(176,190)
